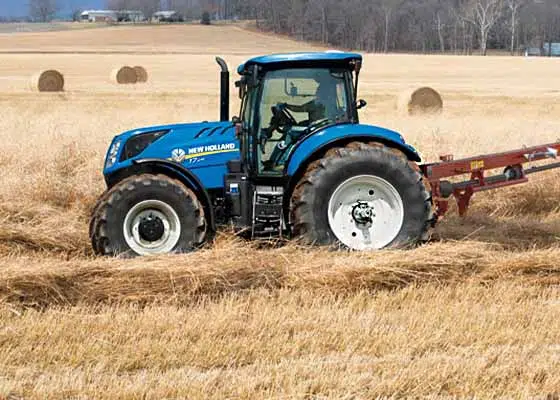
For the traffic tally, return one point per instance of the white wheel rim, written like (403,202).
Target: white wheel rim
(152,209)
(361,198)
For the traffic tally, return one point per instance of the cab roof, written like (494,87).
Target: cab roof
(287,60)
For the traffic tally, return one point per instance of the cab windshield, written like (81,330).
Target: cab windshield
(294,102)
(309,94)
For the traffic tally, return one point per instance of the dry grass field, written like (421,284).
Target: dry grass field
(473,314)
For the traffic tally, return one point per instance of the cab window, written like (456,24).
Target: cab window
(294,102)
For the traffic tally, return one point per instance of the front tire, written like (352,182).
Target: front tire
(146,215)
(362,197)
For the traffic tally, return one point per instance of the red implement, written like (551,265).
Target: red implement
(513,173)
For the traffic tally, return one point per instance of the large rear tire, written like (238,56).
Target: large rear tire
(145,215)
(362,197)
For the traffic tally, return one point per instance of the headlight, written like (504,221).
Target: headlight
(137,144)
(112,155)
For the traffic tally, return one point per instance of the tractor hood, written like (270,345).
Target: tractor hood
(195,146)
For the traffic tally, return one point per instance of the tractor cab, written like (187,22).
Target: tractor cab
(285,98)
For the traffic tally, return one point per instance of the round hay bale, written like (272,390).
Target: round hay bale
(48,81)
(141,74)
(124,75)
(424,100)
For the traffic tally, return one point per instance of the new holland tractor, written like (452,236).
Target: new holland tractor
(296,162)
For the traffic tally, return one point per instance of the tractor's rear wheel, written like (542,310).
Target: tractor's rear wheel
(147,214)
(362,197)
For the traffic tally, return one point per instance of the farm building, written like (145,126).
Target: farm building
(167,16)
(99,16)
(548,49)
(112,16)
(551,49)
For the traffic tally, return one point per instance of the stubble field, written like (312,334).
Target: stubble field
(474,313)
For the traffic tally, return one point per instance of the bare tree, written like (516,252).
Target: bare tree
(148,7)
(388,8)
(42,10)
(120,4)
(483,14)
(441,11)
(514,6)
(76,9)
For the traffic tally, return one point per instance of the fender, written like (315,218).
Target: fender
(173,170)
(319,140)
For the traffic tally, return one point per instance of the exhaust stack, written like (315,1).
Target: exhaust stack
(224,89)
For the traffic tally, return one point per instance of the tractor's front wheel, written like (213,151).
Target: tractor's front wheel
(362,197)
(147,214)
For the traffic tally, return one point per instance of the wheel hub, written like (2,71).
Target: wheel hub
(365,212)
(362,213)
(151,228)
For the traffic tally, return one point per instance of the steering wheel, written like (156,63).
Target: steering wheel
(283,119)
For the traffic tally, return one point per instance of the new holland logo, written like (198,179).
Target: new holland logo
(213,148)
(180,155)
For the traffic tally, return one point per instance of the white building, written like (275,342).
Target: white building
(167,16)
(99,16)
(112,16)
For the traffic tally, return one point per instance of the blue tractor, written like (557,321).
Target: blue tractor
(296,162)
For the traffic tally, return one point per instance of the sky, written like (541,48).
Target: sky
(17,8)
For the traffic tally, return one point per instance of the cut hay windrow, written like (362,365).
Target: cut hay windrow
(41,228)
(234,268)
(124,75)
(424,100)
(48,81)
(141,74)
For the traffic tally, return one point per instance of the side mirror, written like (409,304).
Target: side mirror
(242,86)
(361,104)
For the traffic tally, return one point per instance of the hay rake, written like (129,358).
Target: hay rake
(513,173)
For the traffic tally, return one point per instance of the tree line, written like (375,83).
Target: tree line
(457,26)
(425,26)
